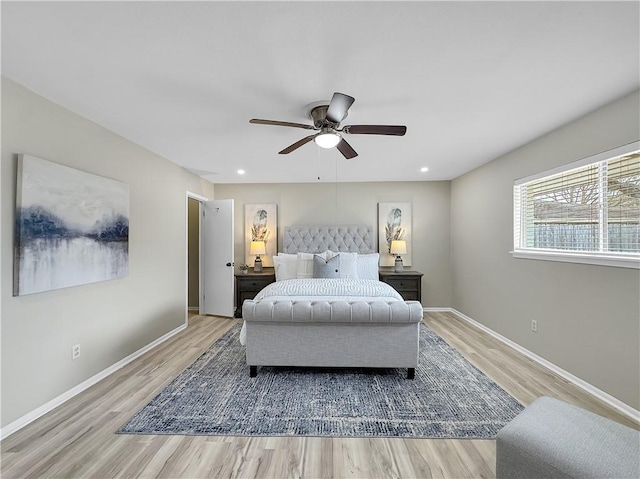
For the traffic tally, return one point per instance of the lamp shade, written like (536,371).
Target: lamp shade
(327,140)
(398,247)
(257,247)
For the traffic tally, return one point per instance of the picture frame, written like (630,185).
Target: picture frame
(261,224)
(72,227)
(394,223)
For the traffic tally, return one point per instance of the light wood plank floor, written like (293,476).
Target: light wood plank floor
(77,439)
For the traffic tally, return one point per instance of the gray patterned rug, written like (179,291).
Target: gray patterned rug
(449,398)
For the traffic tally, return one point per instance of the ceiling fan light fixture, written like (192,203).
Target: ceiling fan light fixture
(327,140)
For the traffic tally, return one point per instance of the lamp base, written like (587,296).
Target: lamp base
(257,265)
(398,267)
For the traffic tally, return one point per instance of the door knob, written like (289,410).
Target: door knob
(228,264)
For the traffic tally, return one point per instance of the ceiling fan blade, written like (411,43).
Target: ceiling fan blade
(395,130)
(297,144)
(340,104)
(346,150)
(281,123)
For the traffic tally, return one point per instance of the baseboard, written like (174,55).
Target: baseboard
(54,403)
(589,388)
(194,308)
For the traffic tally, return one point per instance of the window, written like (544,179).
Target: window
(587,212)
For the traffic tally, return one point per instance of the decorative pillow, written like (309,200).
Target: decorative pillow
(326,268)
(349,265)
(328,254)
(286,267)
(305,265)
(368,266)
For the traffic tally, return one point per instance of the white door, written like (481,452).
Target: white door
(217,263)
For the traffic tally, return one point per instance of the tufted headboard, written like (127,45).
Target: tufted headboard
(316,239)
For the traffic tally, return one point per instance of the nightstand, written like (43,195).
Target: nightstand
(408,283)
(248,285)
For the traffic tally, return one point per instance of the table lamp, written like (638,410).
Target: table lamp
(398,247)
(257,248)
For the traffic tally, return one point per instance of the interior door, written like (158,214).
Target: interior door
(217,263)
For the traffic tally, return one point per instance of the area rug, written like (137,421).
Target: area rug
(449,398)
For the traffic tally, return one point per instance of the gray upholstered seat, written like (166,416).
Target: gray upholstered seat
(553,439)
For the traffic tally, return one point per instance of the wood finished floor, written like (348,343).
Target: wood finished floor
(77,439)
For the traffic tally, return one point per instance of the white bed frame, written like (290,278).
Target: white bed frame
(336,334)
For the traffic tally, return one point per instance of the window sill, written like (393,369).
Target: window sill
(618,261)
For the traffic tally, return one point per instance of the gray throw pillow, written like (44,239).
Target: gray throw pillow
(326,269)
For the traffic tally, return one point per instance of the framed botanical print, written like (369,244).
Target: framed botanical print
(394,223)
(261,224)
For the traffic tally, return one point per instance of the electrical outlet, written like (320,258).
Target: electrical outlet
(534,325)
(75,351)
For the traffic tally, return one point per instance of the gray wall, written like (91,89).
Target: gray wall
(110,319)
(588,316)
(343,203)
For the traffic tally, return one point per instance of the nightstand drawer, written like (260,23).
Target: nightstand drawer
(242,295)
(412,295)
(403,284)
(253,284)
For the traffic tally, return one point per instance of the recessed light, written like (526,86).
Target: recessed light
(241,172)
(424,169)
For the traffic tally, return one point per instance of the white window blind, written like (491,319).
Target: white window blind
(589,209)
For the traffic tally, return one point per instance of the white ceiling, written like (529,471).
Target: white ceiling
(470,80)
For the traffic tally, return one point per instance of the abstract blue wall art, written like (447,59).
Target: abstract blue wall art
(72,227)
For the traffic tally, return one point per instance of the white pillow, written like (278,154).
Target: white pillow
(305,265)
(285,266)
(349,265)
(368,266)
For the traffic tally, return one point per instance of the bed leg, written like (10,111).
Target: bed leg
(411,373)
(253,371)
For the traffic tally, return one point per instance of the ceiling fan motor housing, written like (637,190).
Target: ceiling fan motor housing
(318,113)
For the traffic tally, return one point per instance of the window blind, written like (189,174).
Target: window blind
(594,207)
(623,203)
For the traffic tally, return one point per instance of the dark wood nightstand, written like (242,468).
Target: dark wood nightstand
(408,283)
(248,285)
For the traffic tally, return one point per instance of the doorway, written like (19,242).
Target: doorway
(193,255)
(209,256)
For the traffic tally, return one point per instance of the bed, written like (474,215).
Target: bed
(349,319)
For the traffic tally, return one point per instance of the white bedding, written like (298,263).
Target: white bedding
(326,289)
(330,289)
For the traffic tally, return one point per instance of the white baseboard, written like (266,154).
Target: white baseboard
(589,388)
(55,402)
(194,308)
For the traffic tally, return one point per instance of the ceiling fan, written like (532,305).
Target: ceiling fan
(326,121)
